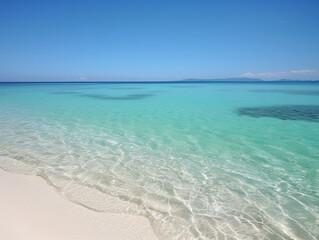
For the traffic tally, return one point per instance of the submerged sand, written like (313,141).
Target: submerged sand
(31,210)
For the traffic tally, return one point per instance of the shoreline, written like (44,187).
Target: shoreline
(32,210)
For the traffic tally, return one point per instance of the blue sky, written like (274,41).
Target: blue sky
(158,40)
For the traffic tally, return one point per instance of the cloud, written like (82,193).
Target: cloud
(294,74)
(303,71)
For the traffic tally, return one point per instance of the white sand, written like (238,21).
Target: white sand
(32,210)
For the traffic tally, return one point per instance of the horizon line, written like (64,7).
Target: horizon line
(173,81)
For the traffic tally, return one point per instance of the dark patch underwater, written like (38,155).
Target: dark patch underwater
(183,86)
(295,92)
(125,97)
(65,93)
(308,113)
(126,88)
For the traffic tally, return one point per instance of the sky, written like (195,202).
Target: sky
(158,40)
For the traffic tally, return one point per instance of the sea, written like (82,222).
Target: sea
(221,160)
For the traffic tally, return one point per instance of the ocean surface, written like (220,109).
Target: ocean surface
(200,161)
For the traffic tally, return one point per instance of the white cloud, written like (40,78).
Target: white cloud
(82,78)
(294,74)
(303,71)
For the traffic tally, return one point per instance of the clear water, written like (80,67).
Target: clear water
(200,161)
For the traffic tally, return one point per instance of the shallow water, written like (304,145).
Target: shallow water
(200,161)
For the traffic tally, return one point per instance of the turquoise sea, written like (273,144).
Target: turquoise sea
(198,160)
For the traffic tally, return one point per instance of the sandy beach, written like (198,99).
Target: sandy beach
(32,210)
